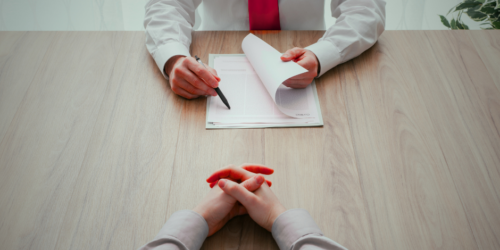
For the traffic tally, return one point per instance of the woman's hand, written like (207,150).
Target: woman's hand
(217,207)
(239,174)
(262,205)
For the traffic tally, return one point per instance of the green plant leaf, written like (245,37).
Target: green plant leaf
(453,24)
(465,26)
(453,8)
(476,15)
(498,4)
(491,3)
(466,5)
(496,25)
(486,9)
(459,25)
(445,21)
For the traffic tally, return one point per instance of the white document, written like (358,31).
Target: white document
(252,84)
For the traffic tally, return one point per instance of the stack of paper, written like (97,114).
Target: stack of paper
(252,84)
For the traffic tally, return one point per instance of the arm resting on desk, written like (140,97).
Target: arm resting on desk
(358,26)
(185,230)
(293,230)
(168,25)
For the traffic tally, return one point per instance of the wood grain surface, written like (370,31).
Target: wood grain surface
(96,152)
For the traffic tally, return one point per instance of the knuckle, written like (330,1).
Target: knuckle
(230,187)
(198,71)
(197,83)
(252,200)
(174,87)
(177,70)
(188,60)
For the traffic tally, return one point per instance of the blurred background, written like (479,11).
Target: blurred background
(41,15)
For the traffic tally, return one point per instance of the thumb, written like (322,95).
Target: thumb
(253,183)
(237,191)
(292,54)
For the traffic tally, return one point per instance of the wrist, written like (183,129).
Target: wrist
(199,210)
(170,64)
(277,211)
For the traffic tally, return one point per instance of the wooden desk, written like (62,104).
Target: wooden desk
(96,152)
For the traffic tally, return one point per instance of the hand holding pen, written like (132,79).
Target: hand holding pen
(189,79)
(219,92)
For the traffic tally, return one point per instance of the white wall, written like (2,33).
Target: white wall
(129,14)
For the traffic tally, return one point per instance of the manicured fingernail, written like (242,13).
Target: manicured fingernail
(286,55)
(222,183)
(214,93)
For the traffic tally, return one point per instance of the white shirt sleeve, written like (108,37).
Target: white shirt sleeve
(168,25)
(184,230)
(359,24)
(295,229)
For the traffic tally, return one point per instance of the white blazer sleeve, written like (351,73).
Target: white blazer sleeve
(168,25)
(358,27)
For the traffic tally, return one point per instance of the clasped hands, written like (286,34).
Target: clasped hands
(237,191)
(190,80)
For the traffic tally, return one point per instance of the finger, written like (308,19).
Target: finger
(202,72)
(214,72)
(238,192)
(180,91)
(292,54)
(253,183)
(269,183)
(237,210)
(183,84)
(258,169)
(196,82)
(235,174)
(299,83)
(242,210)
(239,174)
(311,65)
(296,86)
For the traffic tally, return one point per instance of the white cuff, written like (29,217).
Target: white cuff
(327,53)
(189,227)
(291,225)
(165,52)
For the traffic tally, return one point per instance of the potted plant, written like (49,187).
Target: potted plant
(485,11)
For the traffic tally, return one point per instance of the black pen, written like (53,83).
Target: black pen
(222,97)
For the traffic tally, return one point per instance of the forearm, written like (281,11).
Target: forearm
(295,230)
(184,230)
(358,27)
(168,25)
